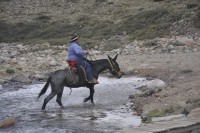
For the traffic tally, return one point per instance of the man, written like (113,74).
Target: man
(76,54)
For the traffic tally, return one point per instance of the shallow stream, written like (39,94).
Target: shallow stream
(109,114)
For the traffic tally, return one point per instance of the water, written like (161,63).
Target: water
(109,114)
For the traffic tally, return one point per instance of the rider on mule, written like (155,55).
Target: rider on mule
(76,56)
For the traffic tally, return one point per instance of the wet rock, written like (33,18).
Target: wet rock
(190,107)
(195,113)
(156,84)
(149,92)
(7,122)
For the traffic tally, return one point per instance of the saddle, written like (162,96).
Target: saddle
(75,73)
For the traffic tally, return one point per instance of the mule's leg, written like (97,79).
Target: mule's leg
(47,99)
(91,95)
(59,96)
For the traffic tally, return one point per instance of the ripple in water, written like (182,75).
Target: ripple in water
(108,115)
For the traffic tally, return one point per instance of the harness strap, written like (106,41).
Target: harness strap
(84,73)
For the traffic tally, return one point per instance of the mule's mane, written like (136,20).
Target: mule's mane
(93,62)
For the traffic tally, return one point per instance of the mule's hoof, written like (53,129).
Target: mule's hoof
(42,109)
(93,104)
(85,100)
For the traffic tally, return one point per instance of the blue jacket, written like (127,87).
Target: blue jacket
(75,52)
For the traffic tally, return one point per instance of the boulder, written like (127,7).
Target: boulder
(7,122)
(195,113)
(156,84)
(187,41)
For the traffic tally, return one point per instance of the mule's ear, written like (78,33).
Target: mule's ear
(115,57)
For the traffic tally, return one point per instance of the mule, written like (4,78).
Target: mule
(60,79)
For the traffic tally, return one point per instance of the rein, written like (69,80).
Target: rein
(89,56)
(111,64)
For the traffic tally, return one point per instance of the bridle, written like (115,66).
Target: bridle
(113,67)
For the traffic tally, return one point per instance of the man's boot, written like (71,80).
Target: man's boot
(93,81)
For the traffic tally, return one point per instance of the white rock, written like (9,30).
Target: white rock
(157,83)
(195,113)
(53,63)
(96,47)
(46,44)
(195,50)
(170,47)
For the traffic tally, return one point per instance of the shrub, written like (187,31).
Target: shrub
(10,71)
(148,24)
(110,45)
(196,20)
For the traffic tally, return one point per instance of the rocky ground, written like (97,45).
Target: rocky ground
(174,60)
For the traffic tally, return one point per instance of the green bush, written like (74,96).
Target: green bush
(196,20)
(10,71)
(148,24)
(110,45)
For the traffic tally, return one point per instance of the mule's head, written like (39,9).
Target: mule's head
(114,67)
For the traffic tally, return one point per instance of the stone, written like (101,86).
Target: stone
(2,60)
(53,63)
(7,122)
(46,44)
(195,50)
(187,41)
(22,78)
(96,47)
(167,118)
(157,83)
(195,113)
(170,47)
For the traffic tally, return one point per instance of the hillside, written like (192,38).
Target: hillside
(118,22)
(155,39)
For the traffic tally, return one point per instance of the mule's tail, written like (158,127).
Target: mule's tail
(44,89)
